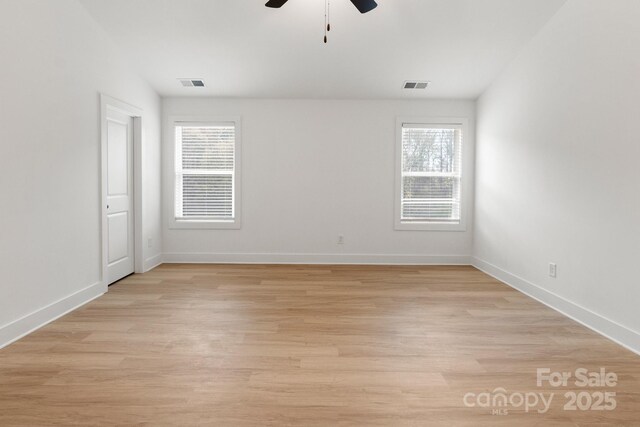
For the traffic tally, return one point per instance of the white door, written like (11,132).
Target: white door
(120,250)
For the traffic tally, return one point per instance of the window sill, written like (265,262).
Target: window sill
(182,224)
(430,226)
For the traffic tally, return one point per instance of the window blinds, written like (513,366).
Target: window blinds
(205,171)
(431,173)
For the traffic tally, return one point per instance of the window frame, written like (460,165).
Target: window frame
(401,225)
(200,223)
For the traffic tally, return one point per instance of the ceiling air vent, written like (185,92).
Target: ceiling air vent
(192,82)
(416,84)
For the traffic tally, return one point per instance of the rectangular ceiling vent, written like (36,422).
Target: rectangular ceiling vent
(192,82)
(412,84)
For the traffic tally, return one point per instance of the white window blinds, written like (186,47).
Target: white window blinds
(205,171)
(431,173)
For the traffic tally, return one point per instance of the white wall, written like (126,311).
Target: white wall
(312,170)
(54,61)
(557,167)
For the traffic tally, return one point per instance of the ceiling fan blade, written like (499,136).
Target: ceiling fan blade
(276,3)
(364,6)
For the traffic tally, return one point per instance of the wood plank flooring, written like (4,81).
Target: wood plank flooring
(305,345)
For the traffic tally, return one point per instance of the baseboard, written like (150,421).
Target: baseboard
(608,328)
(282,258)
(24,326)
(153,262)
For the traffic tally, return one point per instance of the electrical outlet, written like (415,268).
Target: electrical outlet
(553,270)
(341,239)
(149,242)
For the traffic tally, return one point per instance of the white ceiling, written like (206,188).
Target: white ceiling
(243,49)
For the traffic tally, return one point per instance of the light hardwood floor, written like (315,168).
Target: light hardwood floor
(304,345)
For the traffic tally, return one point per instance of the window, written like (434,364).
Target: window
(206,175)
(429,177)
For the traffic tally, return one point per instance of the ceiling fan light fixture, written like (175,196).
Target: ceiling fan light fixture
(276,3)
(363,6)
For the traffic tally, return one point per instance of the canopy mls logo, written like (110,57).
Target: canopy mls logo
(500,402)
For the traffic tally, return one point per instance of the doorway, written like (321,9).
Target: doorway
(120,165)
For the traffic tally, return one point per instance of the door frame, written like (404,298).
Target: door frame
(108,103)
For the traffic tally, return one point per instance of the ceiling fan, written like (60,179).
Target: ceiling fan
(363,6)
